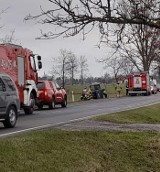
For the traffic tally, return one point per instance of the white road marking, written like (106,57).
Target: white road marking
(60,123)
(28,129)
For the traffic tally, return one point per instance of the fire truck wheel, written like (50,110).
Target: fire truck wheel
(11,119)
(30,109)
(52,105)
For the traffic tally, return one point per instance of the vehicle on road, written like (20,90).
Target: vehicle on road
(153,85)
(97,92)
(139,84)
(153,89)
(9,101)
(51,94)
(21,65)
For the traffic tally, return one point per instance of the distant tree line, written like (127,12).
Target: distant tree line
(68,65)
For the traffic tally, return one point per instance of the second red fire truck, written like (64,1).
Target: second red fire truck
(139,83)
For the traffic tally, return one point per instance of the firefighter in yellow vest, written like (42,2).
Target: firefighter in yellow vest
(90,93)
(118,89)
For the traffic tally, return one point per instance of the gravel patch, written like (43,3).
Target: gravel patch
(107,126)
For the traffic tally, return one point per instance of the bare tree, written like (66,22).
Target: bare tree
(59,68)
(10,38)
(81,16)
(114,65)
(83,68)
(127,66)
(107,78)
(139,44)
(1,13)
(72,65)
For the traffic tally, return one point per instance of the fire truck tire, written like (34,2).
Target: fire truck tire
(11,119)
(30,109)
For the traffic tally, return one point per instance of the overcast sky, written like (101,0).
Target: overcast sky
(26,32)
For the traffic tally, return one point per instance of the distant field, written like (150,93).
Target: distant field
(77,90)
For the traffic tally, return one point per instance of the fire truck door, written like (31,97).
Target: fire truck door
(20,71)
(137,82)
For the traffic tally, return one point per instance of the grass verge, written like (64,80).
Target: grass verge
(86,151)
(147,114)
(77,90)
(62,151)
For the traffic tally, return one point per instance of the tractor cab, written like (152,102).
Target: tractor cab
(97,91)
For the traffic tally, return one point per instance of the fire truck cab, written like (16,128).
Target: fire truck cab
(139,83)
(21,65)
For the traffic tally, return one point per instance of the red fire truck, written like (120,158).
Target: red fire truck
(139,83)
(21,65)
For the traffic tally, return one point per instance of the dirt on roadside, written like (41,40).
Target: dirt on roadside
(89,124)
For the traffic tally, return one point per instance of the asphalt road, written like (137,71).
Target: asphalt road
(76,111)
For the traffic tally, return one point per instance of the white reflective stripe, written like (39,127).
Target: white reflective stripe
(137,91)
(31,86)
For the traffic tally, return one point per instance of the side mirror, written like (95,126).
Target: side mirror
(39,64)
(39,58)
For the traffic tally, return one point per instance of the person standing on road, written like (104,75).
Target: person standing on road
(90,93)
(84,93)
(126,88)
(118,89)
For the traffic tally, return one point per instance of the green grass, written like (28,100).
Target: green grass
(62,151)
(147,114)
(86,151)
(77,90)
